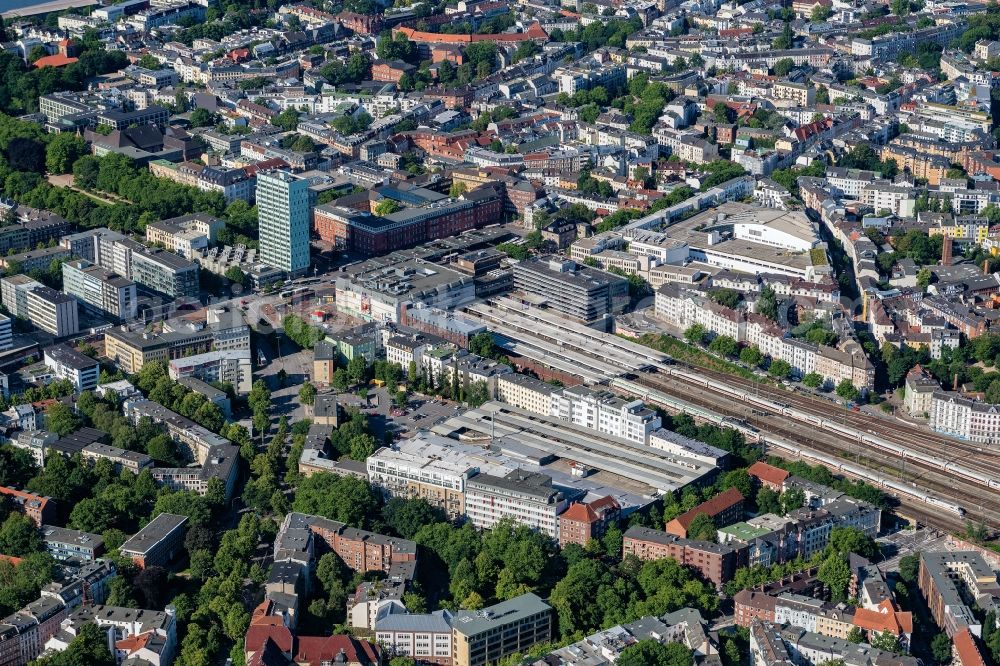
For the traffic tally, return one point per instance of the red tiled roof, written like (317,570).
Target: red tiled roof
(10,558)
(57,60)
(134,642)
(313,650)
(968,649)
(258,636)
(767,473)
(581,513)
(885,618)
(712,507)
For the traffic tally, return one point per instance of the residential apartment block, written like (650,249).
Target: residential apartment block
(67,363)
(158,542)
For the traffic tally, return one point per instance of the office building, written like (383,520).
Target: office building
(66,544)
(14,290)
(165,272)
(232,367)
(130,350)
(99,290)
(584,521)
(139,636)
(488,635)
(158,542)
(425,636)
(6,333)
(67,363)
(527,498)
(577,291)
(283,211)
(434,468)
(90,244)
(52,311)
(724,509)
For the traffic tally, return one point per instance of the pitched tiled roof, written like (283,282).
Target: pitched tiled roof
(712,507)
(968,649)
(767,473)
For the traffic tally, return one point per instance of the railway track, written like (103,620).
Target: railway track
(982,457)
(985,507)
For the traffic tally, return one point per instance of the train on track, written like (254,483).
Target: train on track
(653,396)
(866,438)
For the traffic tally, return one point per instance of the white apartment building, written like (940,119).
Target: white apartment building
(526,392)
(605,412)
(527,498)
(232,366)
(965,418)
(67,363)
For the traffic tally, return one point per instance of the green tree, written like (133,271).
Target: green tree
(357,369)
(909,566)
(88,648)
(752,356)
(813,380)
(60,419)
(387,207)
(307,394)
(767,303)
(885,641)
(785,65)
(202,118)
(19,536)
(695,334)
(836,575)
(924,277)
(941,648)
(723,345)
(792,499)
(236,275)
(702,528)
(63,150)
(856,635)
(649,652)
(779,369)
(846,390)
(347,499)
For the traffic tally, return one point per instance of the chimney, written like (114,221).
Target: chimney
(954,386)
(946,251)
(986,266)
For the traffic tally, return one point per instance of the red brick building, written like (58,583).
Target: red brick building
(361,23)
(716,563)
(768,475)
(390,71)
(749,605)
(725,508)
(582,522)
(40,509)
(363,551)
